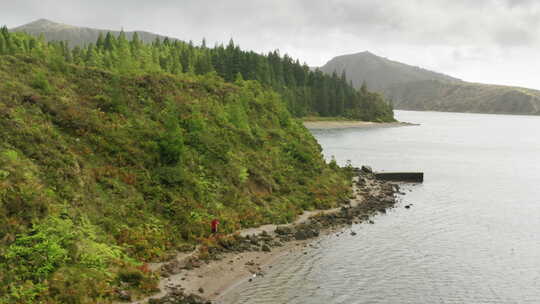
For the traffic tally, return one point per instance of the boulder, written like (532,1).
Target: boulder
(367,169)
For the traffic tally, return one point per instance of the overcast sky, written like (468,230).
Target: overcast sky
(489,41)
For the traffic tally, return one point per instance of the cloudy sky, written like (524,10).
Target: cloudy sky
(489,41)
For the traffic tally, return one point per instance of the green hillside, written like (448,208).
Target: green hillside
(413,88)
(464,97)
(105,168)
(75,35)
(379,73)
(306,92)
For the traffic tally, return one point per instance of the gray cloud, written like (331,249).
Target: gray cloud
(463,37)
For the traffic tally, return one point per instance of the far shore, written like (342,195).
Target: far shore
(345,124)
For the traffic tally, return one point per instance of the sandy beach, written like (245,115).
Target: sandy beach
(208,281)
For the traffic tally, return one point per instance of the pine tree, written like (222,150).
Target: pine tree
(363,88)
(136,43)
(110,42)
(76,54)
(340,101)
(2,45)
(92,57)
(203,64)
(304,91)
(4,31)
(100,43)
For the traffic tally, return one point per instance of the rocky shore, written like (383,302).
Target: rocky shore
(326,125)
(205,274)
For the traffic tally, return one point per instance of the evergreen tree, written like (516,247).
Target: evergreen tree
(100,43)
(363,88)
(4,31)
(110,42)
(2,45)
(136,43)
(305,91)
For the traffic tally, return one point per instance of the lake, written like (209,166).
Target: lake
(471,236)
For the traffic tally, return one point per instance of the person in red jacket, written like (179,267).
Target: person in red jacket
(214,225)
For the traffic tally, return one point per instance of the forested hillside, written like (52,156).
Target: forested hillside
(107,163)
(379,73)
(414,88)
(434,95)
(306,92)
(77,36)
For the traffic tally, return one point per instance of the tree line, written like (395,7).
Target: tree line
(305,91)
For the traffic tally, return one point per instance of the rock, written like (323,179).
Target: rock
(283,230)
(367,169)
(389,199)
(301,235)
(124,295)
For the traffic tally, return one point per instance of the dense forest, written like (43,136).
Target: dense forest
(106,168)
(306,92)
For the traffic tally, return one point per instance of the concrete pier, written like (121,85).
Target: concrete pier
(412,177)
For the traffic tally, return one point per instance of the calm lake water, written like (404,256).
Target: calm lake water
(472,235)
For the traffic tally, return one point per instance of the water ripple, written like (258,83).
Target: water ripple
(470,237)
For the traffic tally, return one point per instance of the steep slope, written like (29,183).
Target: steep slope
(464,97)
(76,36)
(305,92)
(102,171)
(414,88)
(378,72)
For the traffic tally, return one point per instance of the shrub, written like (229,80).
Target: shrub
(40,82)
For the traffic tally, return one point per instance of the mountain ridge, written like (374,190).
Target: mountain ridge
(78,35)
(416,88)
(379,72)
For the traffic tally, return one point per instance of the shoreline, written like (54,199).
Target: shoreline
(190,279)
(338,124)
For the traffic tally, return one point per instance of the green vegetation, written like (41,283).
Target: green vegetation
(103,169)
(305,92)
(413,88)
(378,72)
(432,95)
(76,36)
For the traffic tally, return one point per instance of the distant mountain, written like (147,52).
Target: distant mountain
(76,36)
(378,72)
(414,88)
(434,95)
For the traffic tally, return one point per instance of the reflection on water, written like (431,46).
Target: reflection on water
(470,237)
